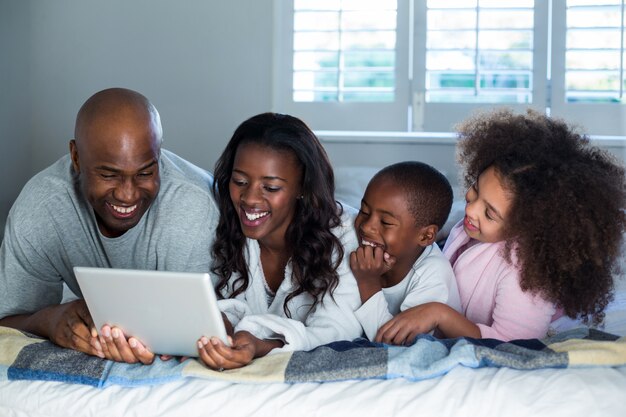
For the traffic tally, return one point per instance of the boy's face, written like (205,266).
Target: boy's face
(385,221)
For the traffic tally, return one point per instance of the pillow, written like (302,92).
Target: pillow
(351,182)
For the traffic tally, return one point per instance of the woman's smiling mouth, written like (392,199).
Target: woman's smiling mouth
(253,218)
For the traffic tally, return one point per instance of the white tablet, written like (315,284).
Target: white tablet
(167,311)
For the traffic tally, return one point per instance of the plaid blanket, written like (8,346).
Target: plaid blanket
(27,357)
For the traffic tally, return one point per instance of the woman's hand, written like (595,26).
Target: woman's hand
(216,355)
(227,325)
(243,348)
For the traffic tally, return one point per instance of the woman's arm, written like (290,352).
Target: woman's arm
(244,347)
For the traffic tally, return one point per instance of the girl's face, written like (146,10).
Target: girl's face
(488,203)
(264,188)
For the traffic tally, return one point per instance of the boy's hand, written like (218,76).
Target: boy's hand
(368,265)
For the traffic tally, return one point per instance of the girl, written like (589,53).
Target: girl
(278,251)
(542,230)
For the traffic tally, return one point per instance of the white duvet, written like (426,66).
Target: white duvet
(461,392)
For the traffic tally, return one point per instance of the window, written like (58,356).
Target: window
(594,62)
(425,65)
(344,50)
(479,51)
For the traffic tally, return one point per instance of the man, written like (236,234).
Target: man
(117,200)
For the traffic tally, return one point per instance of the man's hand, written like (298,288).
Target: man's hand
(68,325)
(117,347)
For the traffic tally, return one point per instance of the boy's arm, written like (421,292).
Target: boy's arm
(368,265)
(432,282)
(373,314)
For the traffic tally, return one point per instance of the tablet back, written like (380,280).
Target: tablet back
(167,311)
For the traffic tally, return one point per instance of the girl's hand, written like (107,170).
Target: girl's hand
(216,355)
(404,327)
(368,265)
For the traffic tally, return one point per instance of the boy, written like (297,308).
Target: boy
(398,265)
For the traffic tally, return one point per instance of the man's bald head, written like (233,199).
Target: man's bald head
(115,155)
(116,105)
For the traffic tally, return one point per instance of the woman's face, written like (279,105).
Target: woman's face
(488,203)
(265,186)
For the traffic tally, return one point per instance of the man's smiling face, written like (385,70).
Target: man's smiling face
(117,161)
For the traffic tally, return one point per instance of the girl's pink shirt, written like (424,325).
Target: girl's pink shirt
(491,296)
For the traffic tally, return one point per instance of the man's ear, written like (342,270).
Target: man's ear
(427,235)
(74,156)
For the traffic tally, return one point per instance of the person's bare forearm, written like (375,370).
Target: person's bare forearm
(34,323)
(264,346)
(367,288)
(454,324)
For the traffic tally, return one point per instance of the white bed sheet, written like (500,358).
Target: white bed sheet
(461,392)
(484,392)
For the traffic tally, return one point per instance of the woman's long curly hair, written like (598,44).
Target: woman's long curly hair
(567,214)
(316,251)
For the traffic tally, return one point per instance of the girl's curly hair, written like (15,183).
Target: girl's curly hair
(319,252)
(567,214)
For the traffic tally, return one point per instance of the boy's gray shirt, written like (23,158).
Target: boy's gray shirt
(51,228)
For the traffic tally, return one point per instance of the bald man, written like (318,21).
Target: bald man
(118,201)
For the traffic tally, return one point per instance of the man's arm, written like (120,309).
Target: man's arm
(68,325)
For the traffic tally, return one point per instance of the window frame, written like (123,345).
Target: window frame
(595,118)
(442,117)
(340,115)
(409,112)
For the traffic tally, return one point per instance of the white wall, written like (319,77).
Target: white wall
(378,149)
(15,143)
(206,65)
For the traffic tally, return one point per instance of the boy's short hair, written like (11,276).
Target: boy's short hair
(428,192)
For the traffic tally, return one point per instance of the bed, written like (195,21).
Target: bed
(577,371)
(527,385)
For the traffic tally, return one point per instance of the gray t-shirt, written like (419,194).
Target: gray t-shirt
(51,228)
